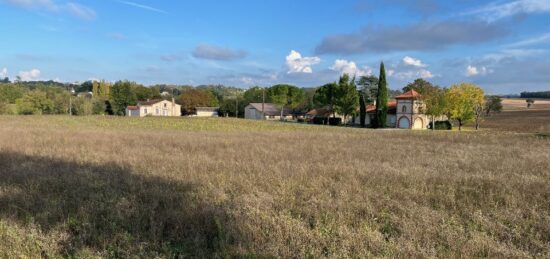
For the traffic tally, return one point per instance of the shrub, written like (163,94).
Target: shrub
(335,121)
(320,120)
(441,125)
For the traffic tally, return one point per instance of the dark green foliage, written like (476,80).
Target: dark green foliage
(544,94)
(286,96)
(493,104)
(381,100)
(369,87)
(320,120)
(335,121)
(348,99)
(122,96)
(327,95)
(441,125)
(362,109)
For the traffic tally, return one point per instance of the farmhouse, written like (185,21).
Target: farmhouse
(154,108)
(406,112)
(265,111)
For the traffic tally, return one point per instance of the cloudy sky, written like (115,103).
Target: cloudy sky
(503,45)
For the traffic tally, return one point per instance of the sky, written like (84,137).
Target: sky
(503,45)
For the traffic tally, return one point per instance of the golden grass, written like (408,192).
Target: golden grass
(120,187)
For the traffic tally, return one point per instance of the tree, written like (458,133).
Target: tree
(327,95)
(348,99)
(434,99)
(463,102)
(369,87)
(530,102)
(122,96)
(420,85)
(493,104)
(192,98)
(285,96)
(35,102)
(381,99)
(362,109)
(11,92)
(255,94)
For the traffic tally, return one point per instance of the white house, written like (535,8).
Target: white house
(265,111)
(154,108)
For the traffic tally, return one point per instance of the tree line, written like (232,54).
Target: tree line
(348,96)
(543,94)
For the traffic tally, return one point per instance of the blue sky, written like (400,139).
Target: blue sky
(504,45)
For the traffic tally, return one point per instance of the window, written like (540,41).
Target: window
(157,111)
(145,110)
(404,109)
(164,105)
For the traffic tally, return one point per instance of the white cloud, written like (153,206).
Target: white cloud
(74,9)
(144,7)
(544,38)
(298,64)
(3,73)
(407,75)
(80,11)
(413,62)
(32,75)
(474,71)
(498,10)
(349,67)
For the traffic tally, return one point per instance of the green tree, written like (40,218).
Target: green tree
(11,92)
(348,100)
(122,95)
(192,98)
(420,85)
(381,99)
(255,95)
(286,96)
(35,102)
(463,102)
(434,99)
(493,104)
(369,86)
(327,95)
(362,109)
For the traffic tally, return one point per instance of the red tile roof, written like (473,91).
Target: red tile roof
(392,106)
(412,94)
(150,102)
(133,108)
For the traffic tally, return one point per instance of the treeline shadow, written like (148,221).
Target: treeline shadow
(109,209)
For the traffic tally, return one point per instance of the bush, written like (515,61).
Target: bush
(441,125)
(320,120)
(335,121)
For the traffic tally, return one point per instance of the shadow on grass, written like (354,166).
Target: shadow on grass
(108,209)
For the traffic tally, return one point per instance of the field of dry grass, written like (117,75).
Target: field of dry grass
(515,117)
(152,187)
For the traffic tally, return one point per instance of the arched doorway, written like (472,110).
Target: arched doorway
(418,123)
(404,123)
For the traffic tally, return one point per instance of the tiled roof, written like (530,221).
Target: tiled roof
(133,108)
(392,108)
(151,102)
(412,94)
(270,109)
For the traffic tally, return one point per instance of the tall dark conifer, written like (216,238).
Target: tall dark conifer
(382,99)
(362,108)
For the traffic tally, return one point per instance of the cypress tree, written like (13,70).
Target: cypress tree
(362,108)
(382,99)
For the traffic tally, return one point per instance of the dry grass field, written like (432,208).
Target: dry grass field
(515,117)
(153,187)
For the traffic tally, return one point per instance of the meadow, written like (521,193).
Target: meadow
(111,187)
